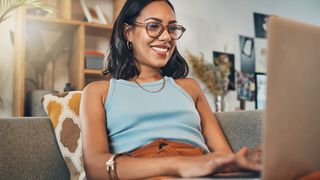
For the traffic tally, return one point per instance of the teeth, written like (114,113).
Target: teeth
(160,49)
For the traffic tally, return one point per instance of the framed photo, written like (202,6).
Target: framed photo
(261,89)
(260,24)
(245,86)
(227,57)
(93,12)
(247,54)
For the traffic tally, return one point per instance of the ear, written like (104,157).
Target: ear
(128,32)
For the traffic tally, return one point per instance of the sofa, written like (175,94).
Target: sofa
(28,148)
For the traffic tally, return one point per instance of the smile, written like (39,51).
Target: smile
(160,49)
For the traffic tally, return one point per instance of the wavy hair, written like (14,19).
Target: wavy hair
(121,63)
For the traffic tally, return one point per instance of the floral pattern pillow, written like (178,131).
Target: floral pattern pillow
(63,110)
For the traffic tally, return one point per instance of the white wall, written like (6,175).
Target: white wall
(6,65)
(213,25)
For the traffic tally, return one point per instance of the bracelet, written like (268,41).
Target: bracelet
(111,166)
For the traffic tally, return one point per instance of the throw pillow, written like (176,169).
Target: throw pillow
(63,110)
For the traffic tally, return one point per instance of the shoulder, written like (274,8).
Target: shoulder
(97,88)
(191,86)
(188,82)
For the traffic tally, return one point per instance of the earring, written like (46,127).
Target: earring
(129,45)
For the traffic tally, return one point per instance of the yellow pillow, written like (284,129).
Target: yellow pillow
(63,110)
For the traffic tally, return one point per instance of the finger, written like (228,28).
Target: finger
(243,151)
(255,157)
(243,163)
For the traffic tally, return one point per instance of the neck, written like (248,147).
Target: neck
(148,76)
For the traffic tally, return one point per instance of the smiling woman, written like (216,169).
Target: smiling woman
(149,120)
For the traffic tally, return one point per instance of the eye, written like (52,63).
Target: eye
(153,26)
(174,28)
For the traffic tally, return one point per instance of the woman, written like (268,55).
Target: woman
(149,110)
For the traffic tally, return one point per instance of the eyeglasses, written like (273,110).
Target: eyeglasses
(154,29)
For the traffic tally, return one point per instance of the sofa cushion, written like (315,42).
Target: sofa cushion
(242,128)
(63,110)
(28,150)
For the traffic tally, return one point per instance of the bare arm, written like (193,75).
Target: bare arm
(211,130)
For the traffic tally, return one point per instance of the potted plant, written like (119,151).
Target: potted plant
(7,6)
(214,76)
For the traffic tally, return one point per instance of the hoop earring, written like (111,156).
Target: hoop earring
(129,45)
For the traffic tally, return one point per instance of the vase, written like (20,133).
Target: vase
(33,102)
(219,103)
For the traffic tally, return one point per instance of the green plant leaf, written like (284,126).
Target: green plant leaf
(6,6)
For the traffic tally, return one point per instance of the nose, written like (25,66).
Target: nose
(165,36)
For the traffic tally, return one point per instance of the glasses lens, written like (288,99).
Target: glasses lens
(175,31)
(154,29)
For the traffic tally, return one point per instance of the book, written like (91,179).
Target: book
(94,60)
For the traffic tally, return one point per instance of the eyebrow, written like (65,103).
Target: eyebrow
(159,20)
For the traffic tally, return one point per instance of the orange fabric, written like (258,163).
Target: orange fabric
(165,148)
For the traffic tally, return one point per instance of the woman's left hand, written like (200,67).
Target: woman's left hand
(248,160)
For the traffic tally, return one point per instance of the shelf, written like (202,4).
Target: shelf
(39,34)
(92,71)
(58,24)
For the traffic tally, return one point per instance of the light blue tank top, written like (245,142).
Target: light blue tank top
(136,117)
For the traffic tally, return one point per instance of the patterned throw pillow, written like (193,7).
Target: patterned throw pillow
(63,110)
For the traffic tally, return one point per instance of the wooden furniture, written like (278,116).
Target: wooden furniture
(64,22)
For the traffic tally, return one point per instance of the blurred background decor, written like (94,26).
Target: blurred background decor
(7,6)
(39,66)
(214,76)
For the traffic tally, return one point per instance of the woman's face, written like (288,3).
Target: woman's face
(153,52)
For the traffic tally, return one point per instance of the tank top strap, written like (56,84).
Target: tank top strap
(179,88)
(110,93)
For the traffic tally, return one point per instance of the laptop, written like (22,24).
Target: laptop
(291,145)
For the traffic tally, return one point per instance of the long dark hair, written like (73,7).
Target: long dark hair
(121,63)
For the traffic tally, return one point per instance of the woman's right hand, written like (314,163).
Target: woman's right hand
(197,166)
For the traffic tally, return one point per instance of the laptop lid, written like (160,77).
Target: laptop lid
(292,127)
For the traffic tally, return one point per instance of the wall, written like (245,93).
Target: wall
(216,24)
(6,65)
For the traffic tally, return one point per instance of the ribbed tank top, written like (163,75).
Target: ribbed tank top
(135,117)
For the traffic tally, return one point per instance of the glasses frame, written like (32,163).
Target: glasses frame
(183,29)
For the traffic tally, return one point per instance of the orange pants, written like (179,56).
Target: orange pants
(165,148)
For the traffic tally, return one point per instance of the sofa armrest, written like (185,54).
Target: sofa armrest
(242,127)
(29,150)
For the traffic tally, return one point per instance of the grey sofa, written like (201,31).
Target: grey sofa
(28,149)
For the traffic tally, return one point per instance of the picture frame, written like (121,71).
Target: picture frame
(261,89)
(93,12)
(260,24)
(231,59)
(245,86)
(247,54)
